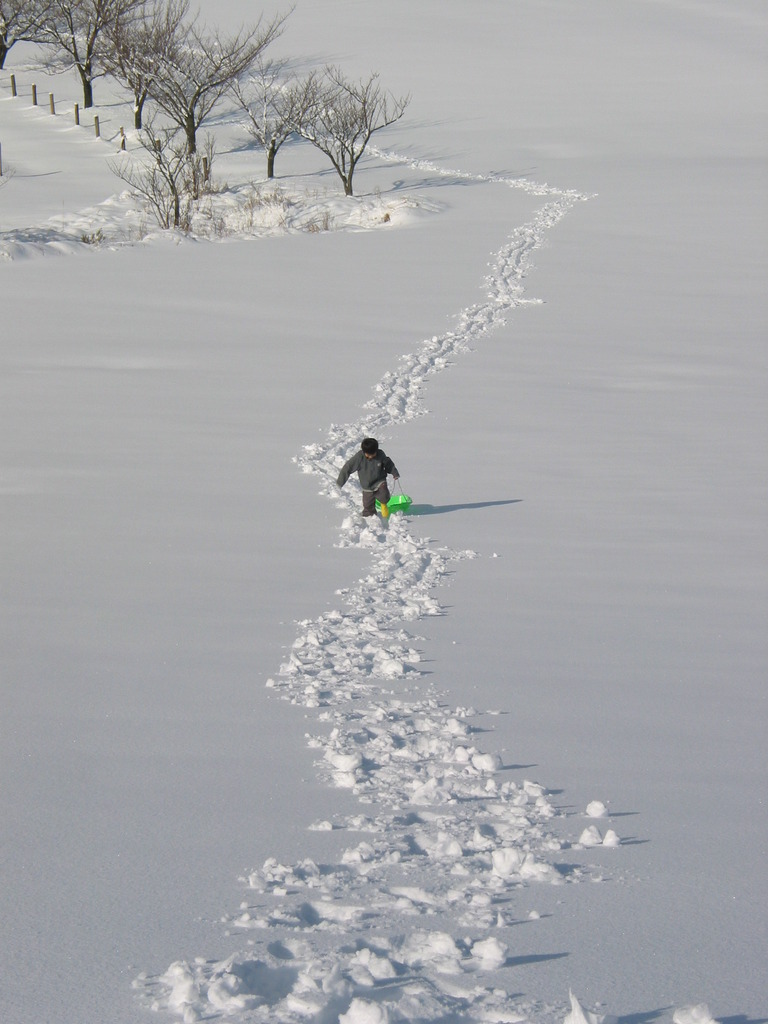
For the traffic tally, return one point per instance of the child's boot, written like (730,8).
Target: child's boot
(384,510)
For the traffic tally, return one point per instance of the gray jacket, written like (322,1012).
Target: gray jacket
(371,473)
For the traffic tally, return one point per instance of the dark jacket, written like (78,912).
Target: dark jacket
(370,472)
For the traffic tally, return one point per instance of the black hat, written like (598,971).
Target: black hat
(369,445)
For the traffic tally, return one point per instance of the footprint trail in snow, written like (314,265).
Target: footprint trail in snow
(413,922)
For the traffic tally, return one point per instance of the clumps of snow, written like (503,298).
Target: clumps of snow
(321,826)
(438,949)
(695,1014)
(363,1012)
(596,809)
(426,975)
(591,836)
(489,954)
(511,862)
(486,762)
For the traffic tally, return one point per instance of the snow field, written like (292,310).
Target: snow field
(448,835)
(416,913)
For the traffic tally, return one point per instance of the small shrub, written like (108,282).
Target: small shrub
(324,223)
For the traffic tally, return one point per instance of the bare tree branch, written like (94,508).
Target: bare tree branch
(201,66)
(341,116)
(77,30)
(160,179)
(140,42)
(271,102)
(20,21)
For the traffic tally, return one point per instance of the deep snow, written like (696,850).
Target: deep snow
(600,453)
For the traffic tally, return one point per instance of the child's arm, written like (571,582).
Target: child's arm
(347,470)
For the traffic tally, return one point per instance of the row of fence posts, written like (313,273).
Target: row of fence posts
(52,104)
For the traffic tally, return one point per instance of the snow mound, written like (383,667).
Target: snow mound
(363,1012)
(696,1014)
(596,809)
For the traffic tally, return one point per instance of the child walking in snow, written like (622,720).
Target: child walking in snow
(372,466)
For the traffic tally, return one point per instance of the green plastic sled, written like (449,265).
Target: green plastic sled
(397,503)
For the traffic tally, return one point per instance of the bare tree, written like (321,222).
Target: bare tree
(269,101)
(201,66)
(20,21)
(140,41)
(171,178)
(78,29)
(341,116)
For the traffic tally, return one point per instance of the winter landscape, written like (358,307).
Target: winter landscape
(504,758)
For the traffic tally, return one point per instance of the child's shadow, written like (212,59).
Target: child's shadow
(436,510)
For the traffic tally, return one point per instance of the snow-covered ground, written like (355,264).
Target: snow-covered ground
(262,760)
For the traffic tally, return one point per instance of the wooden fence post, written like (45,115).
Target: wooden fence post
(122,139)
(53,105)
(13,85)
(34,95)
(1,160)
(96,126)
(77,114)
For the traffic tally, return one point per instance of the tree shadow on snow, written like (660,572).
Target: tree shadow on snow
(436,510)
(435,181)
(648,1016)
(533,958)
(643,1017)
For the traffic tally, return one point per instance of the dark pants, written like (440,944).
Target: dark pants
(369,499)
